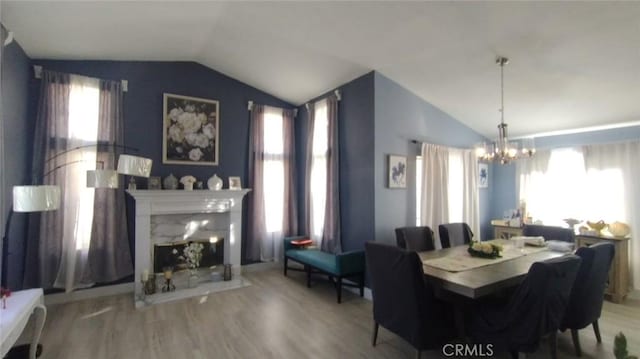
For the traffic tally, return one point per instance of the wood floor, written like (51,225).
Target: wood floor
(275,317)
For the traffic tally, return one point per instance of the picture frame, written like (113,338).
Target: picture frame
(397,165)
(153,182)
(190,131)
(483,175)
(235,183)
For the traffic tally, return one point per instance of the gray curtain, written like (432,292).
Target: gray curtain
(256,228)
(43,250)
(331,240)
(109,251)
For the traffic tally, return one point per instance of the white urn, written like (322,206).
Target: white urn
(214,183)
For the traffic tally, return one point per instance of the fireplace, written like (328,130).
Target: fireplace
(168,254)
(177,217)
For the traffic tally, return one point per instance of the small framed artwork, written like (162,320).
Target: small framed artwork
(191,130)
(483,175)
(235,183)
(153,182)
(397,171)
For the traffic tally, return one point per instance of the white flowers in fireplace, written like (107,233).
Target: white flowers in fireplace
(192,254)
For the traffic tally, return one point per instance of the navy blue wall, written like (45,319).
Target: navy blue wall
(401,116)
(355,111)
(17,146)
(147,81)
(504,195)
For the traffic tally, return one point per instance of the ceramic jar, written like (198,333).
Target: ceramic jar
(214,183)
(170,182)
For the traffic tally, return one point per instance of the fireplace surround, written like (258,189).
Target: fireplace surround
(165,216)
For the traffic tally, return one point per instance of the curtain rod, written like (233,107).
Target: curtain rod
(250,107)
(37,73)
(336,92)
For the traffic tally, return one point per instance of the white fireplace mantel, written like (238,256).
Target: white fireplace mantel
(166,202)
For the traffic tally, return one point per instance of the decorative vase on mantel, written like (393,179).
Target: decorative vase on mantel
(170,182)
(214,183)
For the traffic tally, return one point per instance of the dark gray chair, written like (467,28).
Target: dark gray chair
(534,311)
(417,239)
(585,303)
(403,301)
(454,234)
(549,233)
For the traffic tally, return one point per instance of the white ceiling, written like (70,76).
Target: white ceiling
(573,64)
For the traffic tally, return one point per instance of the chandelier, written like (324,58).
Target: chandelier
(501,150)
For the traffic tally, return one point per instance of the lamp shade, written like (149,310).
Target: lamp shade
(102,179)
(134,165)
(35,198)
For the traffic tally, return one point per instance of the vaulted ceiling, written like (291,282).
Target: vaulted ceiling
(573,64)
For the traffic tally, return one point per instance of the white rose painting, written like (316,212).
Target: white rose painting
(191,130)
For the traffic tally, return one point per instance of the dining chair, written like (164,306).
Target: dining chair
(454,234)
(417,239)
(403,302)
(585,302)
(535,310)
(549,233)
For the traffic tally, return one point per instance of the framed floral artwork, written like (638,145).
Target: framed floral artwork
(397,171)
(191,130)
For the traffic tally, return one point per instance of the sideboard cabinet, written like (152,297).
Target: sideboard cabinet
(619,274)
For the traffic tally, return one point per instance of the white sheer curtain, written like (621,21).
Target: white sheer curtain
(593,183)
(612,180)
(84,105)
(448,188)
(434,198)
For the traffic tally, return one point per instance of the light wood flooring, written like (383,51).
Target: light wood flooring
(275,317)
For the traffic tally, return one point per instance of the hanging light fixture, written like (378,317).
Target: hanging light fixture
(502,150)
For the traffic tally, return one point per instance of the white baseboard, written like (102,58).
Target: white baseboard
(367,292)
(105,291)
(59,298)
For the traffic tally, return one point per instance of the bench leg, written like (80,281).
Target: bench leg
(286,261)
(339,289)
(308,268)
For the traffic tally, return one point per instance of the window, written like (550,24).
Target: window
(319,158)
(273,179)
(84,103)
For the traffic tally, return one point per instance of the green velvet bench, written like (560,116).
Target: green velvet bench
(336,266)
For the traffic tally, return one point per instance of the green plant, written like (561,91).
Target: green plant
(620,347)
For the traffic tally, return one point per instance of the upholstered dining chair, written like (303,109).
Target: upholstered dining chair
(535,310)
(417,239)
(549,233)
(454,234)
(585,303)
(403,302)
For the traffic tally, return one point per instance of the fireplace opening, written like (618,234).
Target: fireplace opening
(167,254)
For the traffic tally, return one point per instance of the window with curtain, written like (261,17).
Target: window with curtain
(79,124)
(271,176)
(319,158)
(447,189)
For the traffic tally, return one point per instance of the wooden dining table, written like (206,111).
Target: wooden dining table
(488,279)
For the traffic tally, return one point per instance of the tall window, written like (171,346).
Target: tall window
(319,160)
(273,180)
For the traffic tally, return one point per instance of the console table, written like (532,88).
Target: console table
(506,232)
(619,273)
(14,318)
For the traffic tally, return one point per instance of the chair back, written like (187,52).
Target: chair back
(417,239)
(454,234)
(538,305)
(549,233)
(402,301)
(585,303)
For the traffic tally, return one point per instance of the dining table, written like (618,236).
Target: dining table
(455,270)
